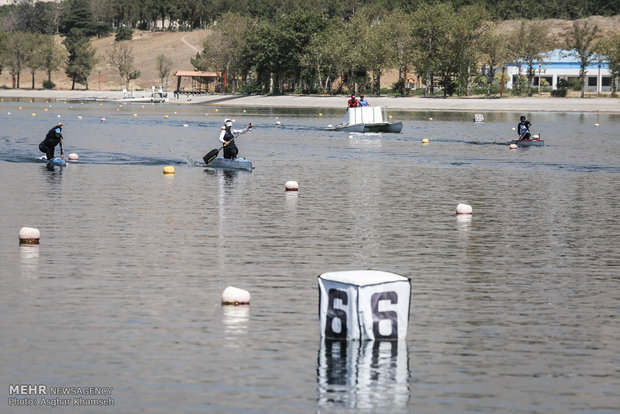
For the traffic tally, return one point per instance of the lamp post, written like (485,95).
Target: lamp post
(598,80)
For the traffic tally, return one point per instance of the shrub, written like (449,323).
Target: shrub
(48,84)
(123,33)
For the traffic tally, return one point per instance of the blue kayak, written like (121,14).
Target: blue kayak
(54,161)
(234,164)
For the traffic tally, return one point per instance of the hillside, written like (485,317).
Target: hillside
(181,46)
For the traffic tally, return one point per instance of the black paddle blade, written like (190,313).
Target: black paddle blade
(210,156)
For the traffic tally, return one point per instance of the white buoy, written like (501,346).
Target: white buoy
(185,126)
(277,122)
(463,209)
(514,128)
(330,126)
(102,119)
(73,156)
(29,235)
(513,146)
(595,124)
(291,186)
(235,296)
(80,117)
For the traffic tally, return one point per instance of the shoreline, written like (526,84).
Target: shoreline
(414,104)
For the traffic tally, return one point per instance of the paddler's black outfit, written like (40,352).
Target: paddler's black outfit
(230,149)
(53,138)
(523,129)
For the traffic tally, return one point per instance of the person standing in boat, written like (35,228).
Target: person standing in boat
(53,138)
(363,101)
(226,137)
(523,129)
(352,103)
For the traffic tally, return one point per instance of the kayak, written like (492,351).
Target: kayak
(528,142)
(234,164)
(54,161)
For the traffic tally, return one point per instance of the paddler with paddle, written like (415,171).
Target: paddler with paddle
(523,129)
(53,138)
(227,137)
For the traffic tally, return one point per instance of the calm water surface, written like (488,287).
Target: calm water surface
(515,309)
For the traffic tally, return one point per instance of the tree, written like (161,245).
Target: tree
(14,55)
(432,24)
(580,43)
(77,14)
(81,59)
(609,49)
(53,55)
(494,50)
(532,42)
(400,26)
(164,67)
(121,57)
(33,58)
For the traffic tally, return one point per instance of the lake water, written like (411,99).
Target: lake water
(513,309)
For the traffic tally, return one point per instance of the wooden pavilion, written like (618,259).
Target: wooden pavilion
(194,82)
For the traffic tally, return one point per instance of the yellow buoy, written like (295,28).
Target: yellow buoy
(19,107)
(390,116)
(320,114)
(430,119)
(166,116)
(45,109)
(33,114)
(244,110)
(425,141)
(169,170)
(216,110)
(135,115)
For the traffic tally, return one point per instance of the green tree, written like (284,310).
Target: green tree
(400,28)
(14,55)
(580,43)
(53,55)
(609,49)
(494,50)
(33,58)
(120,55)
(531,43)
(432,25)
(81,59)
(77,14)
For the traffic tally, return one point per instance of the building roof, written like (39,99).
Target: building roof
(196,74)
(568,59)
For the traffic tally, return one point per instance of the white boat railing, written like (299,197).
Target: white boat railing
(365,115)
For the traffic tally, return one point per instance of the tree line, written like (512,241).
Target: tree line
(100,16)
(452,47)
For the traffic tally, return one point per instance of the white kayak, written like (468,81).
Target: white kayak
(234,164)
(54,161)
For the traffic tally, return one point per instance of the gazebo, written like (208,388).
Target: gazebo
(199,82)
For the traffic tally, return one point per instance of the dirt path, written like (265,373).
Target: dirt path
(189,44)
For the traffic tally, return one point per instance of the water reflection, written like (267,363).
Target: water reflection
(363,375)
(235,319)
(291,201)
(29,256)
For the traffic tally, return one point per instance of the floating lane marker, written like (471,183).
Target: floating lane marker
(463,209)
(169,170)
(29,235)
(73,156)
(291,186)
(235,296)
(425,141)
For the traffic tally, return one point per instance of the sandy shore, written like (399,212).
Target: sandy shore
(534,104)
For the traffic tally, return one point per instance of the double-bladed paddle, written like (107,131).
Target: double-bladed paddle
(213,153)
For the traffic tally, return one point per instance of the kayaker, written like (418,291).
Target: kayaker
(226,138)
(523,129)
(352,103)
(53,138)
(363,101)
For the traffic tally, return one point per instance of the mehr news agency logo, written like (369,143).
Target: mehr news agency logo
(41,395)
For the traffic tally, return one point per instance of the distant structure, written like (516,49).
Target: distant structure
(560,64)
